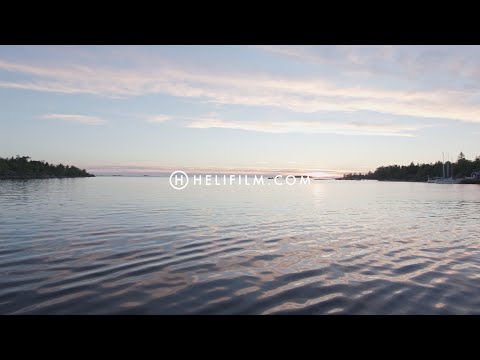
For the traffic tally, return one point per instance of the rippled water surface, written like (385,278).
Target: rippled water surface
(134,245)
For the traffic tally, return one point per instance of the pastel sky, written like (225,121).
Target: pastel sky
(302,109)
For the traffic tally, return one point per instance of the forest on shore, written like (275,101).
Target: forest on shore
(22,167)
(420,172)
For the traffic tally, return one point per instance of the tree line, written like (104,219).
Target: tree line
(23,167)
(420,172)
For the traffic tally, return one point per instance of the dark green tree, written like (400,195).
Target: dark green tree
(21,167)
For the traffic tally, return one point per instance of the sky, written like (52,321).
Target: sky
(323,110)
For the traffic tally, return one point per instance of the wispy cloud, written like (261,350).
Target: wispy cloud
(158,118)
(297,52)
(375,60)
(310,127)
(82,119)
(365,59)
(303,95)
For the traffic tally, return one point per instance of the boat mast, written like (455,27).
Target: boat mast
(451,164)
(443,164)
(448,165)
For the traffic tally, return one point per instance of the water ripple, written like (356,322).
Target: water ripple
(135,246)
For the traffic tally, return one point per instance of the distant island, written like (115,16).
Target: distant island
(21,167)
(463,169)
(295,176)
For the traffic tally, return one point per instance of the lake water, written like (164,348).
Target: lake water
(122,245)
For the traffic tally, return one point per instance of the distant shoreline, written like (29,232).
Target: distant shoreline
(462,182)
(464,171)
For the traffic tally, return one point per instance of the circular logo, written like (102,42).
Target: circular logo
(178,180)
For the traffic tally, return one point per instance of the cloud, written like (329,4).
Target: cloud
(158,118)
(310,127)
(301,94)
(82,119)
(357,59)
(297,52)
(386,60)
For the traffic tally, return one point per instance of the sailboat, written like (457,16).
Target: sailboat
(444,179)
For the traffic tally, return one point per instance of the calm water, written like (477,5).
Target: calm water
(134,245)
